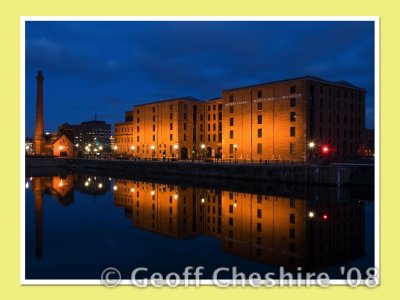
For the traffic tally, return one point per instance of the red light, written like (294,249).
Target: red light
(325,217)
(325,149)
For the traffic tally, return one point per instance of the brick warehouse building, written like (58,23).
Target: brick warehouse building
(275,120)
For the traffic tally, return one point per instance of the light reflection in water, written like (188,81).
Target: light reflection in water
(310,228)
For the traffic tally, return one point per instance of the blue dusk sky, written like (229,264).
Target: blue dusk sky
(105,68)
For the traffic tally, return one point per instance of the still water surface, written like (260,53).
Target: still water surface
(77,225)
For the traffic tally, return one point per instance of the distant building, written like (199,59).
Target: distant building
(29,146)
(369,142)
(294,119)
(123,135)
(58,144)
(96,133)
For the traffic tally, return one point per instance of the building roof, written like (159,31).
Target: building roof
(186,98)
(54,137)
(306,77)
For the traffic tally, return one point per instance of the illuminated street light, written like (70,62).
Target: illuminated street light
(235,147)
(132,190)
(76,145)
(311,146)
(176,146)
(153,152)
(100,185)
(86,183)
(115,188)
(176,196)
(203,147)
(311,214)
(202,200)
(101,148)
(152,193)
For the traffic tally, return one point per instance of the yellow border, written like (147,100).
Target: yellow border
(9,78)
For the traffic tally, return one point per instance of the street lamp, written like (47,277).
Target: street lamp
(153,152)
(203,147)
(133,149)
(115,150)
(311,146)
(235,147)
(176,150)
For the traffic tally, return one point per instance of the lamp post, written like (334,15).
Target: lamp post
(203,147)
(235,148)
(153,152)
(311,146)
(176,151)
(115,150)
(132,149)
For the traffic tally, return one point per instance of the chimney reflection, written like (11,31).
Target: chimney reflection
(61,189)
(292,231)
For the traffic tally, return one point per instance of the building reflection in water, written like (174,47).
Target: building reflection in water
(317,230)
(61,188)
(311,229)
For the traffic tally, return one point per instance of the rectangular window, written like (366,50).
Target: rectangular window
(231,134)
(214,137)
(292,131)
(184,116)
(137,120)
(259,105)
(219,106)
(259,148)
(293,102)
(258,227)
(230,148)
(220,116)
(259,119)
(137,139)
(293,89)
(292,148)
(184,137)
(137,129)
(220,137)
(208,138)
(231,221)
(154,118)
(184,126)
(171,137)
(154,137)
(292,219)
(231,109)
(292,116)
(231,98)
(259,133)
(214,126)
(259,213)
(259,94)
(154,127)
(292,233)
(170,116)
(170,126)
(230,121)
